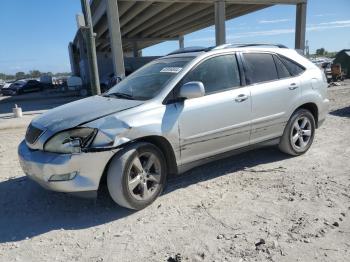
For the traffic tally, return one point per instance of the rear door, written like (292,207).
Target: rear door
(274,91)
(220,120)
(28,86)
(33,85)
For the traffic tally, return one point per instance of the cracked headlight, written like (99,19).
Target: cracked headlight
(71,141)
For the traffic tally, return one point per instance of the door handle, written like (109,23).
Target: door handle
(241,98)
(293,86)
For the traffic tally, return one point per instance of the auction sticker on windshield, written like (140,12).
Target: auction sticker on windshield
(173,70)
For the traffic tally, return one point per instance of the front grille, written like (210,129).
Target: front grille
(33,134)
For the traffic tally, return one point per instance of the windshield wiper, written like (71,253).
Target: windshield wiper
(120,95)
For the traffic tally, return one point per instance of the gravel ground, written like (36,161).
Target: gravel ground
(258,206)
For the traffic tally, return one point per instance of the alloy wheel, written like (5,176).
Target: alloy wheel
(301,133)
(144,176)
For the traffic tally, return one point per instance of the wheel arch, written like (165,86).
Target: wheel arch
(312,107)
(164,145)
(160,142)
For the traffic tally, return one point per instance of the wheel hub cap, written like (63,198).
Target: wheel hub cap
(301,133)
(144,176)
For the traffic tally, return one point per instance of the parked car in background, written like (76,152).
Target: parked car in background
(326,67)
(175,113)
(2,84)
(46,81)
(108,82)
(75,83)
(22,86)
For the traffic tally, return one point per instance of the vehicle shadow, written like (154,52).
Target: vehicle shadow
(342,112)
(27,210)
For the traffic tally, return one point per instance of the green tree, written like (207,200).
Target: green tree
(11,77)
(20,75)
(320,51)
(35,73)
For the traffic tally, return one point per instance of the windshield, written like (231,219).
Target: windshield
(19,83)
(148,81)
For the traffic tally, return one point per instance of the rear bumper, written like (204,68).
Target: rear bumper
(40,166)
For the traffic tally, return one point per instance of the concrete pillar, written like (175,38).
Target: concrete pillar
(115,38)
(72,59)
(83,60)
(300,26)
(181,42)
(89,36)
(220,19)
(135,49)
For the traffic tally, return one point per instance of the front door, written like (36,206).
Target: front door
(220,120)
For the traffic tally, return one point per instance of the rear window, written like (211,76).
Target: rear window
(259,68)
(293,68)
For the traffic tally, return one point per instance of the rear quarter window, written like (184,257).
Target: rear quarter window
(282,70)
(294,68)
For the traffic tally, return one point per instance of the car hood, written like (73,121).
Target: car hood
(82,111)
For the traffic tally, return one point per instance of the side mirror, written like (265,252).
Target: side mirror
(192,90)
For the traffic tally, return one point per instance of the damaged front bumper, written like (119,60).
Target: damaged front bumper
(70,173)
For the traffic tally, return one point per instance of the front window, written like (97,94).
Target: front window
(149,81)
(20,83)
(217,74)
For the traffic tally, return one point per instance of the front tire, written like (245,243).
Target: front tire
(137,176)
(298,134)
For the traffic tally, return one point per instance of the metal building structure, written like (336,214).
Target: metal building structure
(124,27)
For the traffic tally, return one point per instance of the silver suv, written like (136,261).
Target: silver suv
(177,112)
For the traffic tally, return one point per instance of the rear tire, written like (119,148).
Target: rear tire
(137,176)
(298,134)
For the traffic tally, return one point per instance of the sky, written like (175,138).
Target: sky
(34,34)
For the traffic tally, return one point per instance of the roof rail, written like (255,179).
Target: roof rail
(248,45)
(189,50)
(194,49)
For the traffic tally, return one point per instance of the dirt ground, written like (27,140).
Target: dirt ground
(258,206)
